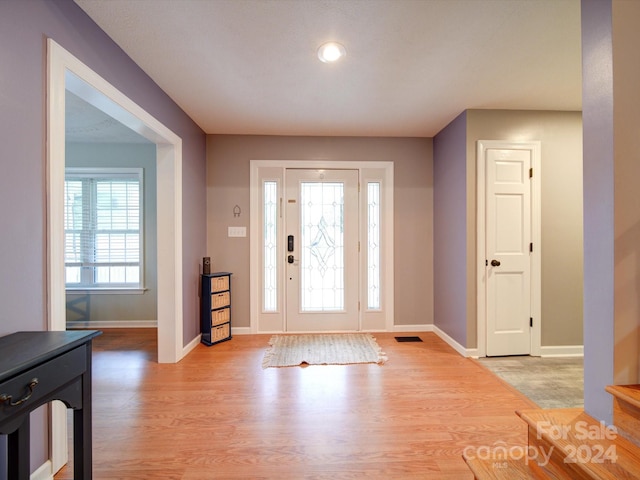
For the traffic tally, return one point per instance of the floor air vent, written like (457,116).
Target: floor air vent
(408,339)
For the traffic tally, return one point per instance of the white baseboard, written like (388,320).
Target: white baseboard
(191,345)
(243,331)
(465,352)
(453,343)
(472,353)
(43,472)
(562,351)
(113,324)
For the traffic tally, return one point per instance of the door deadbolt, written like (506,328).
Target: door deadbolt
(495,263)
(290,259)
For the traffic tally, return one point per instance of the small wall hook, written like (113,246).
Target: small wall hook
(236,211)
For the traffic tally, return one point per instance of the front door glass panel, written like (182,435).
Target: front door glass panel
(322,253)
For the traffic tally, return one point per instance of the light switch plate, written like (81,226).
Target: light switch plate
(237,231)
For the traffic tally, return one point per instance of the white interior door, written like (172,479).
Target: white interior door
(321,250)
(508,240)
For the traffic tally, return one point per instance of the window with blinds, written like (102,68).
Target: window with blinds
(103,228)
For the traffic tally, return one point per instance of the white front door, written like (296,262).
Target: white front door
(508,240)
(321,250)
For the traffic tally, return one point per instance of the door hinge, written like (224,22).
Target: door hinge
(531,321)
(358,247)
(531,172)
(531,247)
(358,306)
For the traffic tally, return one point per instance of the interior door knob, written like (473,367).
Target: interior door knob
(495,263)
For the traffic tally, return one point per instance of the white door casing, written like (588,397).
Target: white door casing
(66,72)
(322,267)
(271,319)
(508,248)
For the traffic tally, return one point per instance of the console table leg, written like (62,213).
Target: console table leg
(82,431)
(82,443)
(18,447)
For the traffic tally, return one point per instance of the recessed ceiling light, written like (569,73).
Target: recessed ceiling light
(331,52)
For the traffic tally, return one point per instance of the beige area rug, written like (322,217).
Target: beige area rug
(322,349)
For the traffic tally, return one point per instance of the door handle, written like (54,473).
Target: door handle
(495,263)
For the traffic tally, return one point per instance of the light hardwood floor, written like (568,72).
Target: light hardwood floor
(218,414)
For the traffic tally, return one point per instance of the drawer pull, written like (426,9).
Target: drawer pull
(4,398)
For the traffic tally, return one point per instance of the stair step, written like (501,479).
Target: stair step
(509,468)
(503,469)
(626,410)
(568,443)
(628,393)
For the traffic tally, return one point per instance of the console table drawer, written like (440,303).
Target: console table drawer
(49,376)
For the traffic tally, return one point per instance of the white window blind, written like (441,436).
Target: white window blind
(103,228)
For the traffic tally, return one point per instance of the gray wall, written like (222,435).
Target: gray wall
(560,134)
(228,185)
(449,230)
(24,27)
(109,306)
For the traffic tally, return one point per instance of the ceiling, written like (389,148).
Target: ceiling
(250,66)
(85,123)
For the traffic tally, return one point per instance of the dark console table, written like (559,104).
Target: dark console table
(35,368)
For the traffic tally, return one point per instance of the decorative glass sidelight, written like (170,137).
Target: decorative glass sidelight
(270,253)
(373,246)
(322,246)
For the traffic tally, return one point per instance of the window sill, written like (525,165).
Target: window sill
(106,291)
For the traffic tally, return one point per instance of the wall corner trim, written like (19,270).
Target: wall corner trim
(191,345)
(454,344)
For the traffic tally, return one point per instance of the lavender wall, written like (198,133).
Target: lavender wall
(24,27)
(450,229)
(597,108)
